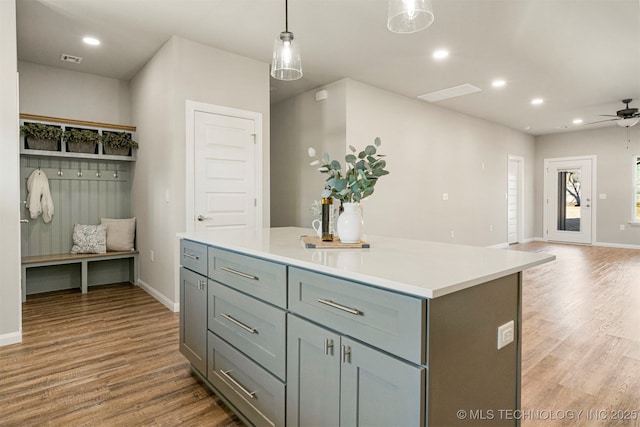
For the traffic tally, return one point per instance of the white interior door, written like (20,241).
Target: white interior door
(569,201)
(513,200)
(225,179)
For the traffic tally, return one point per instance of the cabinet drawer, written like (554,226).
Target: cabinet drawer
(393,322)
(193,256)
(258,395)
(259,278)
(254,327)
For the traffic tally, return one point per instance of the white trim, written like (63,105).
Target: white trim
(11,338)
(191,107)
(634,180)
(616,245)
(521,193)
(171,305)
(499,245)
(594,191)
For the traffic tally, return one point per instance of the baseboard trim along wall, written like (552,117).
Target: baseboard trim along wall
(173,306)
(616,245)
(12,338)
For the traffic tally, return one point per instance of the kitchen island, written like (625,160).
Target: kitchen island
(406,332)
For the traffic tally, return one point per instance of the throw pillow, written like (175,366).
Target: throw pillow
(89,239)
(121,233)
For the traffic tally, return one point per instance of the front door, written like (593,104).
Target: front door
(226,184)
(569,201)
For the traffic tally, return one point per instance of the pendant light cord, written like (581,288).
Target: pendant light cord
(286,16)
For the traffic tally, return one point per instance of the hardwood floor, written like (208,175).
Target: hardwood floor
(106,358)
(581,337)
(110,357)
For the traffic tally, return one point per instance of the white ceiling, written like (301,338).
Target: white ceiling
(581,56)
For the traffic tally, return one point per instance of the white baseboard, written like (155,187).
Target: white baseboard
(11,338)
(616,245)
(499,246)
(173,306)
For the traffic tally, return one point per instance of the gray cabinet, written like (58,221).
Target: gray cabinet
(193,318)
(335,380)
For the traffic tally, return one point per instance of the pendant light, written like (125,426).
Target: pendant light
(409,16)
(286,64)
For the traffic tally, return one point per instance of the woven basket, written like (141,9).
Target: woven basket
(42,144)
(81,147)
(116,151)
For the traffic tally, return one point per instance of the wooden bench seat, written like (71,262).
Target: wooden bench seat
(68,258)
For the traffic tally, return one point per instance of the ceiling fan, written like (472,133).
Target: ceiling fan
(626,117)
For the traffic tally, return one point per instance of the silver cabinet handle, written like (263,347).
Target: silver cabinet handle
(239,323)
(345,353)
(203,218)
(191,256)
(24,221)
(201,284)
(250,394)
(328,347)
(330,303)
(239,273)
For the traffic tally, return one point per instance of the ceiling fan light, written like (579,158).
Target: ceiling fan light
(286,63)
(626,123)
(409,16)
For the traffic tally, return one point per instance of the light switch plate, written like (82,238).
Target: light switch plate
(506,334)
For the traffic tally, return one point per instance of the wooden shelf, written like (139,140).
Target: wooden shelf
(68,123)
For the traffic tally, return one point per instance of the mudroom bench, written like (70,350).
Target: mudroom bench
(82,259)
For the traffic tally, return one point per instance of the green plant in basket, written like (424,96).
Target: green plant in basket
(118,140)
(84,136)
(41,131)
(357,181)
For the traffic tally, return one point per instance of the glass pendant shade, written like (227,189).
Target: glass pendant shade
(625,123)
(409,16)
(286,64)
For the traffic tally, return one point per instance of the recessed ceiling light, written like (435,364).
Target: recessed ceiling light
(440,54)
(577,121)
(537,101)
(498,83)
(91,40)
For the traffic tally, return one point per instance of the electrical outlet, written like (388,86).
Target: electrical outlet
(452,234)
(151,256)
(491,228)
(445,196)
(506,334)
(621,227)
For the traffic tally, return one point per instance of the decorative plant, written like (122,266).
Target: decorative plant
(360,177)
(85,136)
(118,140)
(41,131)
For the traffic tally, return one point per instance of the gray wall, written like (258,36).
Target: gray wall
(10,299)
(182,70)
(614,148)
(299,123)
(429,151)
(55,92)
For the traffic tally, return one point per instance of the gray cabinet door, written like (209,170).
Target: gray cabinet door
(379,390)
(193,318)
(313,375)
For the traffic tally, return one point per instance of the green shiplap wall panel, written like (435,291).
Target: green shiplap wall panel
(77,199)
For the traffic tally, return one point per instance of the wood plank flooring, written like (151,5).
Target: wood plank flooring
(106,358)
(581,337)
(110,357)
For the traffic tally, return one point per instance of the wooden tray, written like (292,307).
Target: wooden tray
(314,242)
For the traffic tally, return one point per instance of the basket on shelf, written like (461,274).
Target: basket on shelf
(42,144)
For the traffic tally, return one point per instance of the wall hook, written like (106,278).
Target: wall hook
(115,174)
(98,173)
(79,173)
(60,173)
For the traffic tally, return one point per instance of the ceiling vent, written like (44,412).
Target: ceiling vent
(452,92)
(70,58)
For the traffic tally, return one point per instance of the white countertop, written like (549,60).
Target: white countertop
(415,267)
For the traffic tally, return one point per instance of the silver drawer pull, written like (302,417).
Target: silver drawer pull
(239,323)
(340,306)
(328,347)
(250,394)
(191,256)
(239,273)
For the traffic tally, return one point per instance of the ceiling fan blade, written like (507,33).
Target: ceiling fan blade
(601,121)
(607,115)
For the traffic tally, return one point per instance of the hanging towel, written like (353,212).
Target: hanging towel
(39,199)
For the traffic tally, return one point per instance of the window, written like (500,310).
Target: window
(636,188)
